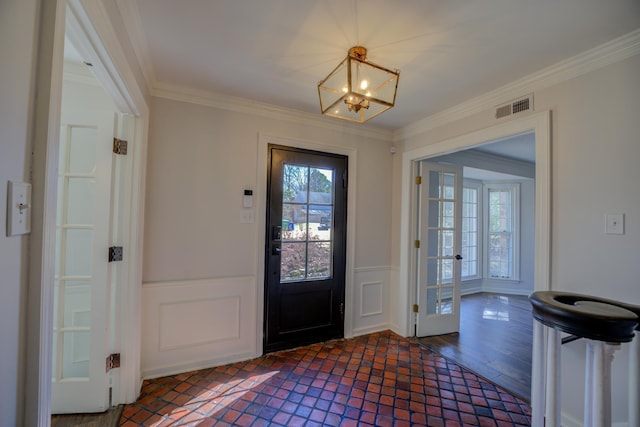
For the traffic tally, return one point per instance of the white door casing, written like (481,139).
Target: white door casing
(82,281)
(440,231)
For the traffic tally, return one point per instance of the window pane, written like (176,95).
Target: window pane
(500,239)
(469,232)
(294,222)
(432,301)
(321,186)
(500,255)
(446,300)
(449,182)
(293,261)
(307,218)
(295,183)
(319,260)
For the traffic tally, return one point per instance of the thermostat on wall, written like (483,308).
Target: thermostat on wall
(247,199)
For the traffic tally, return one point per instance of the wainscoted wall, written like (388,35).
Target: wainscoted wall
(197,324)
(370,296)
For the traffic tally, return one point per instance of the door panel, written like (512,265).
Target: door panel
(306,247)
(439,259)
(82,295)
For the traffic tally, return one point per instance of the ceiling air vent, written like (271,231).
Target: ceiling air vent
(521,104)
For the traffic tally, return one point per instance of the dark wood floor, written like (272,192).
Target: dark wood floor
(105,419)
(495,340)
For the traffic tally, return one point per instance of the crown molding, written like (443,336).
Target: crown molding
(608,53)
(130,15)
(247,106)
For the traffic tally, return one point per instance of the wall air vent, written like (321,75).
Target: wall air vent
(524,103)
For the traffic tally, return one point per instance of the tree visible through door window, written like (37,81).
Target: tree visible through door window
(307,218)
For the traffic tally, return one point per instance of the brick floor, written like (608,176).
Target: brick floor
(379,379)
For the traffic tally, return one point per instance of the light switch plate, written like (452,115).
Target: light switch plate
(18,208)
(246,216)
(614,223)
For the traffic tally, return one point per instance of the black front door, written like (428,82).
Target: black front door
(305,247)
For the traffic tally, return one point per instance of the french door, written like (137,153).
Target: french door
(82,285)
(440,237)
(306,247)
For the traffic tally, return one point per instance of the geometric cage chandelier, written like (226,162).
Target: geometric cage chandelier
(358,90)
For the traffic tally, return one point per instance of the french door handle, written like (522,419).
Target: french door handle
(458,257)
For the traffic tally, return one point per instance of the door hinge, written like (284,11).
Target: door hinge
(115,253)
(417,244)
(341,309)
(120,146)
(416,308)
(113,361)
(418,180)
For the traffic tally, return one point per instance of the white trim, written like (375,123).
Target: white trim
(247,106)
(93,36)
(46,139)
(194,282)
(540,124)
(608,53)
(370,329)
(261,205)
(195,365)
(374,268)
(130,14)
(78,73)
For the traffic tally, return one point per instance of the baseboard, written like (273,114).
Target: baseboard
(568,421)
(370,329)
(195,366)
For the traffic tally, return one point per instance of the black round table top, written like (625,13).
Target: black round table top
(586,316)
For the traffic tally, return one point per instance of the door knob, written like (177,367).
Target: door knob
(458,257)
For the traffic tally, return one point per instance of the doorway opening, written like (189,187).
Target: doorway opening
(538,125)
(497,248)
(305,257)
(79,22)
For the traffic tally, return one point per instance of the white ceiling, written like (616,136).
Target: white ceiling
(276,51)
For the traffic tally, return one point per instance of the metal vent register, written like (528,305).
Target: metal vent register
(521,104)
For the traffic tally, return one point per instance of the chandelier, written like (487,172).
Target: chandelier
(358,90)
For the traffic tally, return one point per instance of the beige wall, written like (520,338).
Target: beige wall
(18,23)
(595,153)
(200,159)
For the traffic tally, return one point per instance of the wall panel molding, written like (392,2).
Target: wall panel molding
(197,324)
(371,299)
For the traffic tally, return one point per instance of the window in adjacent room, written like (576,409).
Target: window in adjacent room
(501,243)
(471,239)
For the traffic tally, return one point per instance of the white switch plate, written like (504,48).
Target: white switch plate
(614,223)
(246,216)
(18,208)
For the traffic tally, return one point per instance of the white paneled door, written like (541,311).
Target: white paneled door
(440,226)
(82,283)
